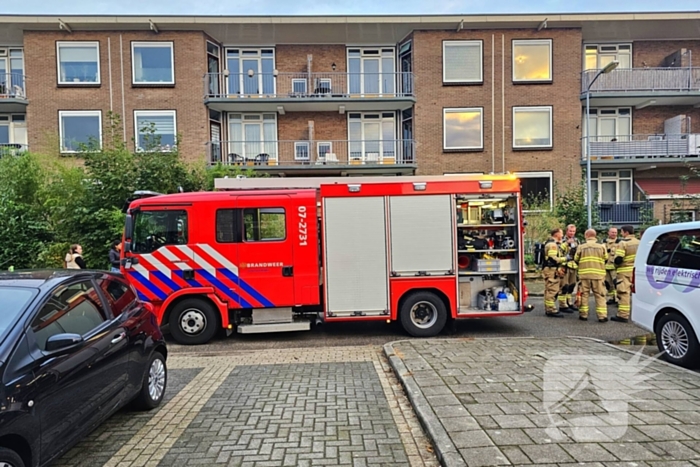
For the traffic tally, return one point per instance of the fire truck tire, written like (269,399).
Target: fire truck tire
(423,314)
(193,321)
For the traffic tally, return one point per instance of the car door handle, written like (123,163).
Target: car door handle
(118,338)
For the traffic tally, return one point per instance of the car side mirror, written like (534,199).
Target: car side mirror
(63,342)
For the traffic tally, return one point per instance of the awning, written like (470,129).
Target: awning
(668,188)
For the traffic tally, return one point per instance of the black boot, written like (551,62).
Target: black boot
(554,315)
(619,320)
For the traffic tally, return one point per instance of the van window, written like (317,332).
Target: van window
(154,229)
(227,226)
(264,224)
(679,249)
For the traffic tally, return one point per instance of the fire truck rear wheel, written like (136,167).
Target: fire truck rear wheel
(423,314)
(193,321)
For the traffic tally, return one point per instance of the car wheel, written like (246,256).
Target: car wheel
(193,321)
(9,458)
(676,338)
(423,314)
(154,383)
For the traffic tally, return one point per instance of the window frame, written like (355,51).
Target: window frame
(679,234)
(300,144)
(534,108)
(549,42)
(157,113)
(539,174)
(446,43)
(77,113)
(69,44)
(178,210)
(153,44)
(447,110)
(237,230)
(258,209)
(597,180)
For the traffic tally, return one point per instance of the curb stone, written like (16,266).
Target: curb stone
(445,450)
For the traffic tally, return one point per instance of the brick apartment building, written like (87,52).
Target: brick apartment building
(383,95)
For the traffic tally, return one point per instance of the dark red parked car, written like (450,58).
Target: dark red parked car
(75,347)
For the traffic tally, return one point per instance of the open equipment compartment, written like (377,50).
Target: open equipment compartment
(489,253)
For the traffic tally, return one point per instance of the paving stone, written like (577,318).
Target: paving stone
(513,421)
(662,432)
(540,454)
(630,451)
(509,436)
(463,423)
(587,452)
(515,455)
(486,456)
(470,439)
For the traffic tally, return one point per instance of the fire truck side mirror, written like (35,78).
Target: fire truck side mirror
(128,227)
(127,246)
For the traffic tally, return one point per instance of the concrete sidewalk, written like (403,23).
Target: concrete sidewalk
(498,402)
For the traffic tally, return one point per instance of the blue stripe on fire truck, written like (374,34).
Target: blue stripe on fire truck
(247,288)
(225,289)
(149,285)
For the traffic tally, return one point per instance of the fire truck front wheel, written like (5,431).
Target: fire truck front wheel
(423,314)
(193,321)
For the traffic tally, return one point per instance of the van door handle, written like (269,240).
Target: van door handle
(287,271)
(118,338)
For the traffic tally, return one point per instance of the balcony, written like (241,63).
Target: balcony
(299,92)
(12,93)
(12,149)
(321,157)
(643,148)
(644,86)
(621,213)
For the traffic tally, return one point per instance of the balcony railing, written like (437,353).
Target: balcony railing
(12,86)
(644,146)
(308,85)
(311,153)
(620,213)
(643,79)
(12,149)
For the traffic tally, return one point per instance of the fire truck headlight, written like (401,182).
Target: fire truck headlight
(353,188)
(419,186)
(485,184)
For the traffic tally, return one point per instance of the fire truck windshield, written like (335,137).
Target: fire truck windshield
(154,229)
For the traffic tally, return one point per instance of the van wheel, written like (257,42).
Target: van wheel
(193,321)
(676,338)
(10,458)
(423,314)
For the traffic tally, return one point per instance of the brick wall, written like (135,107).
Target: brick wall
(328,126)
(185,97)
(432,96)
(650,120)
(653,53)
(292,58)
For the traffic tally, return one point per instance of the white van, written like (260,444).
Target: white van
(666,289)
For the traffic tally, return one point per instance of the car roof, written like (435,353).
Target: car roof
(657,230)
(42,278)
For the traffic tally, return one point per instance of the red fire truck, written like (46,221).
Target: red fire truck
(273,255)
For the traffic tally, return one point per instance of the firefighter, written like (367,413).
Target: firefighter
(624,264)
(567,298)
(591,258)
(552,272)
(610,276)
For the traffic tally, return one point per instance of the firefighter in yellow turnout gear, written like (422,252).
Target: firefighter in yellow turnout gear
(552,272)
(624,262)
(567,298)
(591,258)
(611,244)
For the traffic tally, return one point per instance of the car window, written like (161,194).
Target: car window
(75,309)
(678,249)
(119,294)
(13,300)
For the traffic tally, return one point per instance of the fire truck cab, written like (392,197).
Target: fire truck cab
(266,255)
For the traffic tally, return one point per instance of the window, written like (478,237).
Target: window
(80,131)
(264,224)
(612,186)
(154,229)
(75,309)
(251,71)
(371,71)
(532,127)
(299,86)
(301,151)
(227,226)
(680,249)
(78,62)
(253,136)
(536,190)
(532,61)
(323,149)
(598,55)
(152,63)
(462,62)
(372,135)
(156,130)
(682,215)
(12,72)
(13,134)
(463,129)
(119,294)
(609,124)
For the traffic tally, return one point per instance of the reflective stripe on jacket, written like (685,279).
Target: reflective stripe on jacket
(627,250)
(591,258)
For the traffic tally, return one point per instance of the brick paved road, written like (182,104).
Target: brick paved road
(485,403)
(318,406)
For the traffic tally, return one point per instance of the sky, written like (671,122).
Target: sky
(334,7)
